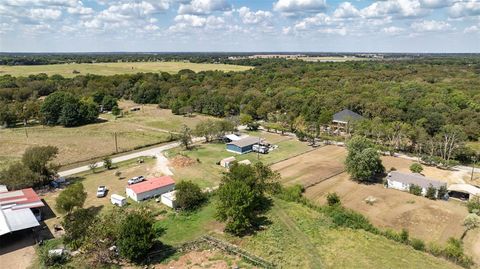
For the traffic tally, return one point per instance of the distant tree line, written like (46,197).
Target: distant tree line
(408,104)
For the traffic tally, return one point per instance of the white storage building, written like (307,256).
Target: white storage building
(169,199)
(150,188)
(403,181)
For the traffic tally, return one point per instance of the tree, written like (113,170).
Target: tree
(186,137)
(116,111)
(76,226)
(39,160)
(450,138)
(242,196)
(188,195)
(471,221)
(363,161)
(108,103)
(72,197)
(107,163)
(473,205)
(416,168)
(246,119)
(431,192)
(136,236)
(18,176)
(93,165)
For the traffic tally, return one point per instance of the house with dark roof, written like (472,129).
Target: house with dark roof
(243,145)
(403,181)
(342,120)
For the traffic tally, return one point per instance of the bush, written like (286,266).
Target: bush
(404,236)
(474,205)
(416,168)
(431,192)
(292,193)
(72,197)
(188,195)
(417,244)
(342,217)
(76,225)
(333,199)
(415,190)
(442,192)
(392,235)
(51,261)
(107,163)
(454,252)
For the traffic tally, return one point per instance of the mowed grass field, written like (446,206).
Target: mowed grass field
(108,69)
(148,126)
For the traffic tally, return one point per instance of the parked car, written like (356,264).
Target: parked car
(135,180)
(101,191)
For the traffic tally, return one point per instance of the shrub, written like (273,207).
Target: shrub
(417,244)
(342,217)
(136,236)
(72,197)
(454,251)
(333,199)
(404,236)
(415,190)
(107,163)
(416,168)
(292,193)
(392,235)
(442,192)
(474,205)
(431,192)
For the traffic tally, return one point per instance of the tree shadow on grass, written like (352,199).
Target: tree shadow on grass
(160,253)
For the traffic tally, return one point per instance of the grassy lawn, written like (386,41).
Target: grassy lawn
(148,126)
(207,173)
(183,227)
(108,69)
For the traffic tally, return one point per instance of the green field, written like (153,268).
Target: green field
(108,69)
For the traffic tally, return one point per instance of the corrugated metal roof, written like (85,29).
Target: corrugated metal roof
(416,179)
(151,184)
(467,188)
(20,199)
(16,220)
(346,115)
(247,141)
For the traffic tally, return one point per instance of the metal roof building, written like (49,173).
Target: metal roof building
(150,188)
(345,116)
(243,145)
(15,213)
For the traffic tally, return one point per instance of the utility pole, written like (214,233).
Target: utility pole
(116,144)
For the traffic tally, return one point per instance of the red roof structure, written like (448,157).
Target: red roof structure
(25,198)
(151,184)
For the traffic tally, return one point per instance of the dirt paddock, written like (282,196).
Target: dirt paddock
(312,166)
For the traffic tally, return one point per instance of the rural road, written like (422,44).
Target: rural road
(149,152)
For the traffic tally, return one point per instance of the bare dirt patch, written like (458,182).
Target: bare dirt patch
(181,161)
(312,166)
(423,218)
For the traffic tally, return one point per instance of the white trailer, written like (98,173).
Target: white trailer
(118,200)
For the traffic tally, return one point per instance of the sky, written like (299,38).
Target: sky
(439,26)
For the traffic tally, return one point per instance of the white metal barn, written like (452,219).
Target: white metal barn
(150,188)
(169,199)
(402,181)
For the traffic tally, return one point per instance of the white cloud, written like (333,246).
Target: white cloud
(251,17)
(397,8)
(436,3)
(191,20)
(431,26)
(188,22)
(293,6)
(335,31)
(203,7)
(346,10)
(44,14)
(393,30)
(472,29)
(80,10)
(40,3)
(319,19)
(465,8)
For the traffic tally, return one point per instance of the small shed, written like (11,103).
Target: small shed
(463,191)
(169,199)
(243,145)
(227,161)
(403,181)
(150,188)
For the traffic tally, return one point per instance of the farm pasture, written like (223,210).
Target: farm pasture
(108,69)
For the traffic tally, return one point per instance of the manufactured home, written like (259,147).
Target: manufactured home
(150,188)
(403,181)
